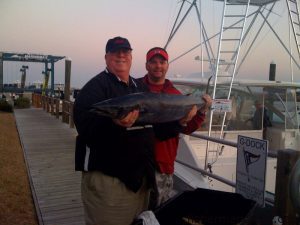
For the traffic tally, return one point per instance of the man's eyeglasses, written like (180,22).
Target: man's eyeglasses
(124,51)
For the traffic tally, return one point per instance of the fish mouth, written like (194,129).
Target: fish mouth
(114,112)
(101,112)
(104,110)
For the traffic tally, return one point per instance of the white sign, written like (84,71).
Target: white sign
(251,168)
(221,105)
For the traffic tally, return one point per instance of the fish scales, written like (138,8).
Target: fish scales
(153,107)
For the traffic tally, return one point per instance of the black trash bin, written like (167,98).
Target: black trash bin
(204,206)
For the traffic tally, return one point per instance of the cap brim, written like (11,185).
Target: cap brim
(120,47)
(150,56)
(157,51)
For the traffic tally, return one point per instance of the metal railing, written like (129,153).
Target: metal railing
(217,177)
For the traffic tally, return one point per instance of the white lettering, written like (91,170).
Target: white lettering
(35,57)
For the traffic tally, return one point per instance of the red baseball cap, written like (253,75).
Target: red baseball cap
(157,51)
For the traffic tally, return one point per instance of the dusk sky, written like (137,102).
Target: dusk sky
(79,29)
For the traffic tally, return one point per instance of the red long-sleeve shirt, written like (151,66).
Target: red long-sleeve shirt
(165,151)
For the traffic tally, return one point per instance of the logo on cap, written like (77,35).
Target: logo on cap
(117,43)
(157,51)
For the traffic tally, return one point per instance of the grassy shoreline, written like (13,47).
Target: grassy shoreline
(16,204)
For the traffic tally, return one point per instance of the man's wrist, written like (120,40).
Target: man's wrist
(182,124)
(201,113)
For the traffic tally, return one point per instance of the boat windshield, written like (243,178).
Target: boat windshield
(253,107)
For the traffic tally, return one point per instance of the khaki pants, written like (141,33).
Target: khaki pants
(107,201)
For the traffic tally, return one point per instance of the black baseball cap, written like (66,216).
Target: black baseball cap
(117,43)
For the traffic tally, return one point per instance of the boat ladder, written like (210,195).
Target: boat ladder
(295,21)
(230,39)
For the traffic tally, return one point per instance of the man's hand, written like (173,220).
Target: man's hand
(207,103)
(189,116)
(128,120)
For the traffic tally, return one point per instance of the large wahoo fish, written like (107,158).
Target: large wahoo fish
(154,108)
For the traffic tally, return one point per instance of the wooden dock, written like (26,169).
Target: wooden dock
(48,146)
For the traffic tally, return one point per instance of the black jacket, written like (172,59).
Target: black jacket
(127,154)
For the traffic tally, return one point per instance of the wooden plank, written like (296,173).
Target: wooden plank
(48,146)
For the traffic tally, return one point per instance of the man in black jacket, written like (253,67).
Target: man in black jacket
(116,156)
(260,119)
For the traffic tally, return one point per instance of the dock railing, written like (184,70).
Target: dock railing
(61,109)
(219,178)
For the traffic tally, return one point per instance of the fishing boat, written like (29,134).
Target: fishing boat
(280,100)
(207,158)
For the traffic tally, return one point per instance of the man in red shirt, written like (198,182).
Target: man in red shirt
(165,151)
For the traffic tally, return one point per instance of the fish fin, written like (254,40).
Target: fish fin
(124,112)
(93,110)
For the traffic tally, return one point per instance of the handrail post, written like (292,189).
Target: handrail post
(47,104)
(67,112)
(37,100)
(52,105)
(71,115)
(44,102)
(33,100)
(63,117)
(286,159)
(57,100)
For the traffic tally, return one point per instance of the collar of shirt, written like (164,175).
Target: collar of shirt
(158,88)
(130,80)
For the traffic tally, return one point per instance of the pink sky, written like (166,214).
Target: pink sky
(80,29)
